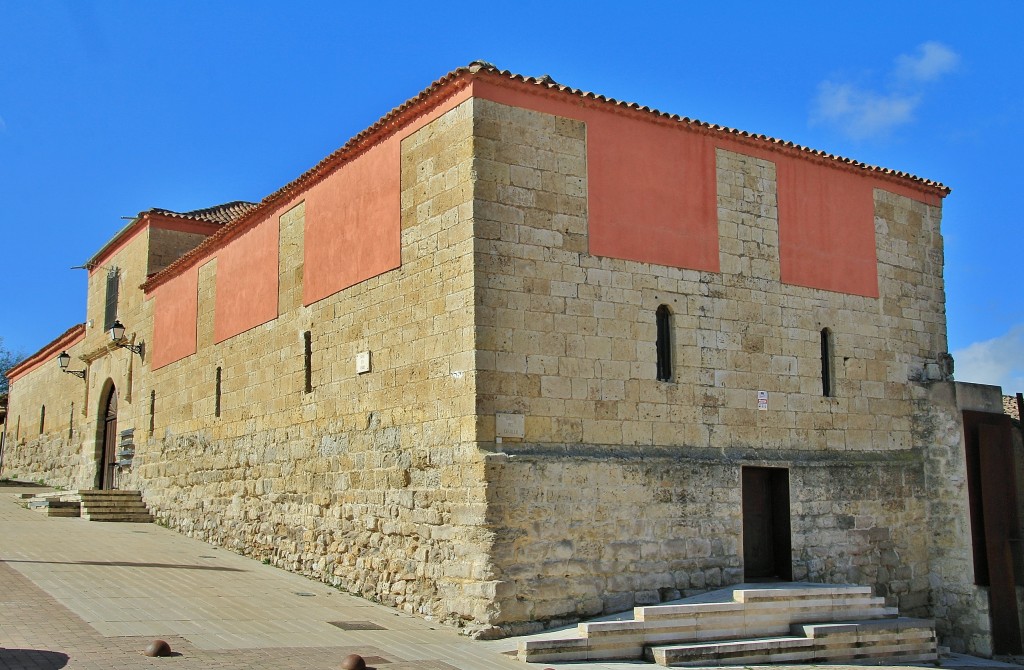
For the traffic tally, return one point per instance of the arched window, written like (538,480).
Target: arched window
(663,318)
(827,381)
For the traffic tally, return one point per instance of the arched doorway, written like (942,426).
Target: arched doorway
(108,440)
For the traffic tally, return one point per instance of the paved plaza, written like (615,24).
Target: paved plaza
(85,595)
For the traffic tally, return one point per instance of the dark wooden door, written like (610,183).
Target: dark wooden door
(992,490)
(766,541)
(108,455)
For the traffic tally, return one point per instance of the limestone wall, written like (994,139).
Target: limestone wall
(567,343)
(601,487)
(370,481)
(166,246)
(69,458)
(57,454)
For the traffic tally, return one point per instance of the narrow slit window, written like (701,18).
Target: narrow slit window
(827,381)
(308,357)
(110,313)
(152,411)
(216,400)
(42,419)
(663,317)
(71,422)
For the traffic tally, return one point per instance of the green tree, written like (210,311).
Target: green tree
(8,359)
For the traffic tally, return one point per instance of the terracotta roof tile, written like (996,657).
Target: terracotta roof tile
(226,213)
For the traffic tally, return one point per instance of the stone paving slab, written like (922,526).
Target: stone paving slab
(88,596)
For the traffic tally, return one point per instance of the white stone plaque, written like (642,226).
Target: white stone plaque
(362,362)
(509,425)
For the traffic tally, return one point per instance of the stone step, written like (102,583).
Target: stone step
(93,505)
(900,640)
(64,509)
(742,613)
(128,518)
(112,503)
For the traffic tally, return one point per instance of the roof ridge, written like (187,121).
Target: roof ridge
(223,213)
(547,82)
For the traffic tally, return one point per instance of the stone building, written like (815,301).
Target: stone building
(519,354)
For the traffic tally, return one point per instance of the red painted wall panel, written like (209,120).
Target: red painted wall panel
(175,311)
(652,193)
(247,280)
(826,228)
(353,223)
(652,187)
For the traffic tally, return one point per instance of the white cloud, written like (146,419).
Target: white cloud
(933,60)
(861,113)
(999,361)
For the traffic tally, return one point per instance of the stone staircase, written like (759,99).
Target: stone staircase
(94,505)
(748,624)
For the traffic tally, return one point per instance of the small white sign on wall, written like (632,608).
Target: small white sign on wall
(509,425)
(762,400)
(362,362)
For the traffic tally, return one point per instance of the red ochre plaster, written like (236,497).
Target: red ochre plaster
(651,186)
(826,229)
(247,280)
(652,198)
(653,195)
(174,317)
(353,223)
(352,233)
(353,226)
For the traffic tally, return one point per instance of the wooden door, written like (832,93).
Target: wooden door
(766,541)
(108,450)
(992,491)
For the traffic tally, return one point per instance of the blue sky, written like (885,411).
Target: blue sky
(110,108)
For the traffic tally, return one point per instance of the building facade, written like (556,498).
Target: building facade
(519,354)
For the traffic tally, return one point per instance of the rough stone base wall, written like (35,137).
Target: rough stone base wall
(585,530)
(960,608)
(275,496)
(370,481)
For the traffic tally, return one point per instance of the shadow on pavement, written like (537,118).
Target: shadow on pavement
(32,658)
(130,564)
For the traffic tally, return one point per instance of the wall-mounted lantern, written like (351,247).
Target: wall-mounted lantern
(117,337)
(64,360)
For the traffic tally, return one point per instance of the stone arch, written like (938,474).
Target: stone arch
(106,436)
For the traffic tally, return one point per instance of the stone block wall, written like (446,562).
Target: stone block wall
(69,459)
(620,489)
(623,489)
(57,454)
(960,608)
(372,481)
(167,246)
